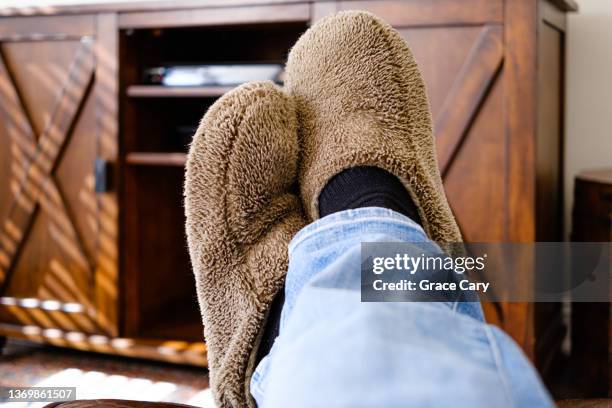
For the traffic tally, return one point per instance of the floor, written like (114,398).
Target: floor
(100,376)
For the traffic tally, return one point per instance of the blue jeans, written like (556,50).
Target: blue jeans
(335,351)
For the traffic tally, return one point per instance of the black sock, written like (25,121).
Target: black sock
(366,187)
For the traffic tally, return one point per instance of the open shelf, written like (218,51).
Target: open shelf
(157,125)
(156,159)
(159,91)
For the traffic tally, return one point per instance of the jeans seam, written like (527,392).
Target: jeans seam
(497,359)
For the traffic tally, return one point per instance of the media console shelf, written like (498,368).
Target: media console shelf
(157,91)
(156,159)
(92,243)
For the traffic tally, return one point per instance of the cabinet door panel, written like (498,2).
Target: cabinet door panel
(461,66)
(50,231)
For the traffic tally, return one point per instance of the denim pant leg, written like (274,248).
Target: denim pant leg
(334,351)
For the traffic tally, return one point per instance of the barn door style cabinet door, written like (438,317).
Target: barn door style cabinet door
(58,231)
(58,212)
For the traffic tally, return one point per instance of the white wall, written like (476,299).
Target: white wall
(588,110)
(588,93)
(595,7)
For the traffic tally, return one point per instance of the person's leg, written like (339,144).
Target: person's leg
(335,351)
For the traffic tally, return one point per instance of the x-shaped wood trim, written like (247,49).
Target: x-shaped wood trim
(468,93)
(35,162)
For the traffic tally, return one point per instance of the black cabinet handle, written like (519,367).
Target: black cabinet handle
(102,175)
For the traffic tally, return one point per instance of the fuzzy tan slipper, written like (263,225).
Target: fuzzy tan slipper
(361,101)
(241,216)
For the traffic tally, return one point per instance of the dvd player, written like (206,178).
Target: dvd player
(212,74)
